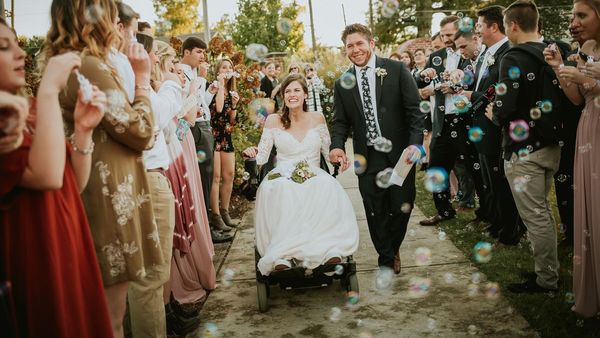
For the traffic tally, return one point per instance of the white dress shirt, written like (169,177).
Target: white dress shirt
(486,58)
(452,61)
(371,78)
(125,72)
(166,104)
(203,95)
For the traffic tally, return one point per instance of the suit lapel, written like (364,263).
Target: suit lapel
(356,93)
(379,63)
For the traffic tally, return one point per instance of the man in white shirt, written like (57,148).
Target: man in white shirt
(194,55)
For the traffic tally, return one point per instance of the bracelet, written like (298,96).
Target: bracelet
(87,151)
(146,87)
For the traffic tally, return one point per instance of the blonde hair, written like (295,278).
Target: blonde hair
(163,52)
(85,26)
(595,4)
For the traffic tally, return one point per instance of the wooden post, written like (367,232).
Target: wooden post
(312,31)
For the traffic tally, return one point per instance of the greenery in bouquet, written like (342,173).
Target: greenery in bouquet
(301,172)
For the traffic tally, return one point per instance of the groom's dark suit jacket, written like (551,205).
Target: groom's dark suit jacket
(397,101)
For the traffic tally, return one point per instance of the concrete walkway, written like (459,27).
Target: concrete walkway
(456,303)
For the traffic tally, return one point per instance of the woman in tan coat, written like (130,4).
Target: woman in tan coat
(117,198)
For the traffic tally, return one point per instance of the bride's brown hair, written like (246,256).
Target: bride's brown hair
(285,116)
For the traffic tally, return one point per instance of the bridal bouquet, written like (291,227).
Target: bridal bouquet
(298,173)
(302,172)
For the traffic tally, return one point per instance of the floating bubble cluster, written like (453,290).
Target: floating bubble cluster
(520,184)
(256,51)
(546,106)
(384,278)
(383,178)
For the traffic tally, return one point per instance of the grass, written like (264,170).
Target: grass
(548,314)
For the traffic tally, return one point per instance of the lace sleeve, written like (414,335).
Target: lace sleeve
(325,140)
(264,146)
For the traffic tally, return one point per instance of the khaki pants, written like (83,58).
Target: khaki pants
(531,199)
(146,305)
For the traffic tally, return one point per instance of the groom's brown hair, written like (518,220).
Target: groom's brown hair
(357,28)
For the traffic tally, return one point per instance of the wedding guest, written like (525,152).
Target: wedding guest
(420,61)
(315,85)
(223,109)
(145,28)
(436,42)
(586,267)
(266,83)
(407,58)
(395,56)
(117,198)
(127,28)
(40,170)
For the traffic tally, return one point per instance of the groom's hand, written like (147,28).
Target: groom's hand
(339,156)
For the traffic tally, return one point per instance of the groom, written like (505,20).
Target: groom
(384,102)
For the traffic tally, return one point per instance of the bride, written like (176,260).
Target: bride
(302,212)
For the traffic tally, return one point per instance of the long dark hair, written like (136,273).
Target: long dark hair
(285,116)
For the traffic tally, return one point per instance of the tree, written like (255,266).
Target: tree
(176,17)
(411,19)
(257,22)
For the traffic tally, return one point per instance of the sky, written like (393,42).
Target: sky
(32,16)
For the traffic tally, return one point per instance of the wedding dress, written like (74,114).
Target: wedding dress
(311,221)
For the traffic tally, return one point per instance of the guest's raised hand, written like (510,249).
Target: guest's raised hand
(429,72)
(13,112)
(250,152)
(235,98)
(552,56)
(591,69)
(489,111)
(139,59)
(57,72)
(574,58)
(88,115)
(571,74)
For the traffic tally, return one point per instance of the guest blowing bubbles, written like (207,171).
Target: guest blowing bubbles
(116,199)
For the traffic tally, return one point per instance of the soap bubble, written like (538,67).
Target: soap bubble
(348,80)
(335,314)
(226,277)
(546,106)
(441,235)
(461,104)
(482,252)
(501,89)
(530,76)
(201,156)
(360,164)
(523,154)
(382,144)
(492,290)
(256,51)
(466,24)
(475,277)
(472,290)
(468,78)
(570,297)
(210,330)
(339,269)
(472,329)
(259,109)
(514,73)
(475,134)
(93,14)
(406,208)
(384,278)
(419,287)
(422,256)
(520,184)
(382,179)
(425,106)
(449,277)
(352,298)
(436,61)
(519,130)
(246,176)
(436,179)
(535,113)
(284,26)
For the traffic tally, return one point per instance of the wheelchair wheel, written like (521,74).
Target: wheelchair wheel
(262,291)
(352,283)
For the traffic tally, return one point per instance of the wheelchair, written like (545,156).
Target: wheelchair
(298,276)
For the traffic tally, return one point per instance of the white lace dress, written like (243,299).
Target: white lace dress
(311,221)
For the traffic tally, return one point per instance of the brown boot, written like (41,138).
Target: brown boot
(227,219)
(216,221)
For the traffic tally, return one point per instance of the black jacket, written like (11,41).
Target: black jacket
(266,85)
(440,98)
(491,143)
(519,99)
(397,101)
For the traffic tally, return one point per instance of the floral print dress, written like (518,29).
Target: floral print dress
(222,124)
(117,197)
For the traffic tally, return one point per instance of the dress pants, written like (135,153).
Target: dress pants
(451,144)
(563,184)
(146,303)
(204,141)
(505,223)
(387,223)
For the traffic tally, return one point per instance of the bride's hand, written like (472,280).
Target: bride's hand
(250,152)
(339,156)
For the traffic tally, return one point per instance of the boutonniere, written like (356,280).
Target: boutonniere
(381,72)
(491,60)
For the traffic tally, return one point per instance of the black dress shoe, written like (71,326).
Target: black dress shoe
(219,237)
(528,286)
(433,220)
